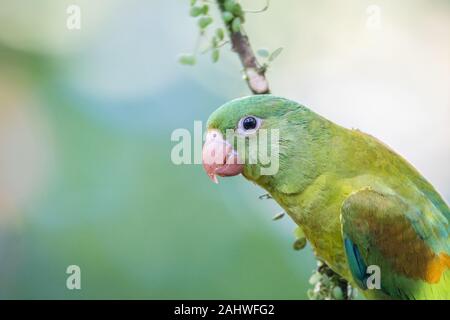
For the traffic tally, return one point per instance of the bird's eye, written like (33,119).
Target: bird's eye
(249,124)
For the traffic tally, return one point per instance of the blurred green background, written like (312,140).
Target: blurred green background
(86,118)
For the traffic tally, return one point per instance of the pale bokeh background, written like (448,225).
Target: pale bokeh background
(85,124)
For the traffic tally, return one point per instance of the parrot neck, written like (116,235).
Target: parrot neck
(305,155)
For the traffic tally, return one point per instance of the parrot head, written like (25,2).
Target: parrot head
(243,120)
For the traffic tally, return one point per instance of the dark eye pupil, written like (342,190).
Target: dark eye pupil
(249,123)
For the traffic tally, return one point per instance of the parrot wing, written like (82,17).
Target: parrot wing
(409,246)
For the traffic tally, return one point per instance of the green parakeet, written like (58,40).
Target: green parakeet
(358,202)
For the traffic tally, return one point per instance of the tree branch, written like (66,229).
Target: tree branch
(254,73)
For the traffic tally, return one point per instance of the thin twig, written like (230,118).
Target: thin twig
(259,10)
(220,45)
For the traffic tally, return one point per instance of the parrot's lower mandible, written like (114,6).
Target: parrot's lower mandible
(359,204)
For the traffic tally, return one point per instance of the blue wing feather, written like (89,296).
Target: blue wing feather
(356,263)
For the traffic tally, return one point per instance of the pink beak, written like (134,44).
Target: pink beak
(219,158)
